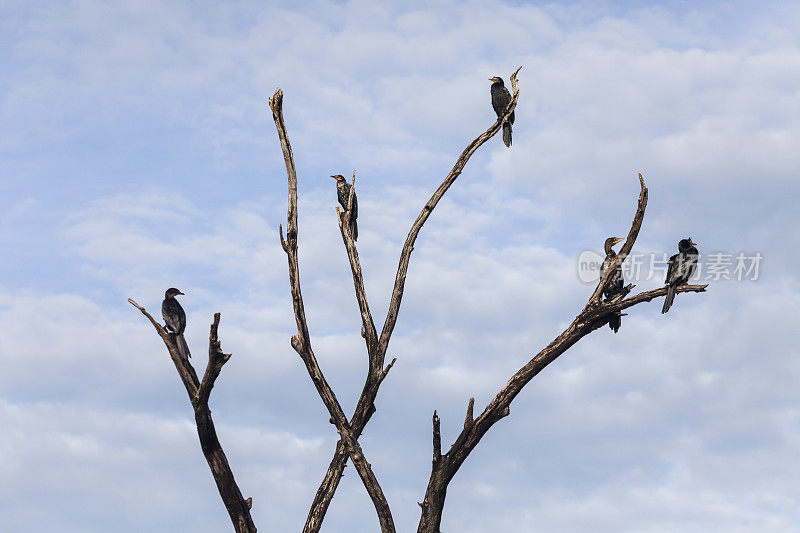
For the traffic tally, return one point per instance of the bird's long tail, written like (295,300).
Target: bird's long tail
(507,133)
(669,298)
(182,346)
(615,321)
(354,228)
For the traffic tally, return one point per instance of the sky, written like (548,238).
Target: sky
(137,153)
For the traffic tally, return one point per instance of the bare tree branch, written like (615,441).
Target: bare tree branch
(636,225)
(370,333)
(470,418)
(182,365)
(651,295)
(301,341)
(377,347)
(437,438)
(593,316)
(199,392)
(215,361)
(408,247)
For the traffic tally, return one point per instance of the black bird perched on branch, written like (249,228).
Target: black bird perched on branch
(175,319)
(343,192)
(500,100)
(615,281)
(682,267)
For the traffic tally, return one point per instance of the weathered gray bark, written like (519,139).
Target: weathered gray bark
(594,315)
(377,345)
(301,341)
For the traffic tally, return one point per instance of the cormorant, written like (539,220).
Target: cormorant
(500,100)
(175,319)
(615,281)
(682,267)
(343,192)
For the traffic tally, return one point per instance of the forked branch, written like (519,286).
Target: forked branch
(301,341)
(378,346)
(408,247)
(199,392)
(636,225)
(594,315)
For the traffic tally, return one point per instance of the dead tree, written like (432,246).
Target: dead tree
(377,345)
(301,341)
(199,393)
(594,315)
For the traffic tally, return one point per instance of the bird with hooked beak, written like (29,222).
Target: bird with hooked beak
(680,270)
(175,319)
(343,192)
(500,100)
(615,281)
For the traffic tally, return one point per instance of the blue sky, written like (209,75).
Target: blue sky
(137,152)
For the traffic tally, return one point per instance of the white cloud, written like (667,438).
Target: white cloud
(59,456)
(139,154)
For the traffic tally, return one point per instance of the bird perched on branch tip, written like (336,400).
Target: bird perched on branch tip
(500,100)
(682,267)
(175,319)
(343,193)
(615,281)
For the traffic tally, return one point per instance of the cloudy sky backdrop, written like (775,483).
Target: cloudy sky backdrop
(137,153)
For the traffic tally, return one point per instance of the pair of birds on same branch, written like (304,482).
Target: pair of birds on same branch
(680,269)
(500,100)
(682,265)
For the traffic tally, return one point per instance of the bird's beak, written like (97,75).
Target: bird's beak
(491,79)
(693,243)
(182,294)
(617,239)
